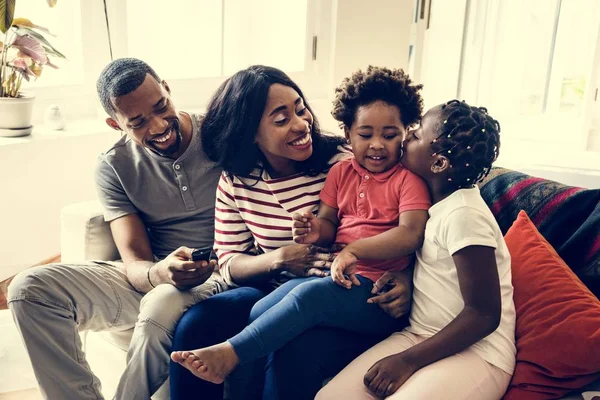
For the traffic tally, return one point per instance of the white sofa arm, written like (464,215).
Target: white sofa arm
(84,235)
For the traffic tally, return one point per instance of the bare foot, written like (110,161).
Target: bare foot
(212,363)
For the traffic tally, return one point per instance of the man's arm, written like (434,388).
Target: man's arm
(397,242)
(129,233)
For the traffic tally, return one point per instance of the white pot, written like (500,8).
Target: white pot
(15,115)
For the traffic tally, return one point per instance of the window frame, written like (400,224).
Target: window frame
(80,101)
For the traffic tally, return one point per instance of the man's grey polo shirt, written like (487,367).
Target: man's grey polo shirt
(174,198)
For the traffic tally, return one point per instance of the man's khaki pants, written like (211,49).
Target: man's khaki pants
(51,304)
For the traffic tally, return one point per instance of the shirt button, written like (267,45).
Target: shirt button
(184,188)
(361,195)
(177,166)
(366,176)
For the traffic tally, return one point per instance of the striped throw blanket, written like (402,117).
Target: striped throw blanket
(568,217)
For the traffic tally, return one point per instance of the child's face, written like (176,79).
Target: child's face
(417,155)
(376,136)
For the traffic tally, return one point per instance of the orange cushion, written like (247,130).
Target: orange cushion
(558,320)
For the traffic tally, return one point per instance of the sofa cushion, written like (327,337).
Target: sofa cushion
(568,217)
(558,320)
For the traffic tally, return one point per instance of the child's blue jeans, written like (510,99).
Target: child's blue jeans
(303,303)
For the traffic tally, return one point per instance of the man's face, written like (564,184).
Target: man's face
(147,115)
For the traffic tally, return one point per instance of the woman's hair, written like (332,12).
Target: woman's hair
(391,86)
(470,138)
(233,116)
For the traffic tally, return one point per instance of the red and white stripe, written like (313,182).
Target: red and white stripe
(250,210)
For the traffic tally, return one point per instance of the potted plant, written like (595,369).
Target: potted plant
(24,52)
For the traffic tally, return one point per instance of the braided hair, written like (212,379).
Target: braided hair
(470,138)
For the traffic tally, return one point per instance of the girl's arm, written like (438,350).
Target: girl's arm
(480,287)
(397,242)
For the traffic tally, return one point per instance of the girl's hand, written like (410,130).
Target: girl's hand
(343,270)
(386,376)
(305,228)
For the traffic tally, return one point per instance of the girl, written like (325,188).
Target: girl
(460,342)
(370,196)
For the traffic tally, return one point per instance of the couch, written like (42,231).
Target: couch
(85,235)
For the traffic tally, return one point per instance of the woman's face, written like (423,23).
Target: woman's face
(284,132)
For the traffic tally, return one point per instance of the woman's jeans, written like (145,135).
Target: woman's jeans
(295,371)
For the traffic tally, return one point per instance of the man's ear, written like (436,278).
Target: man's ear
(166,86)
(441,164)
(113,124)
(347,134)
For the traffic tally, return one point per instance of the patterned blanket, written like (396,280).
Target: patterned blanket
(568,217)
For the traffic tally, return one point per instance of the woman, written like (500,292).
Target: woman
(261,130)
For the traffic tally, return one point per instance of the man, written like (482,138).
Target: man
(158,191)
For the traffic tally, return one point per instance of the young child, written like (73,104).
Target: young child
(460,343)
(370,203)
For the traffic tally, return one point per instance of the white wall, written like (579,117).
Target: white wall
(41,176)
(38,178)
(376,32)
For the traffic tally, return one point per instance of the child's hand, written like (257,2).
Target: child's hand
(305,228)
(386,376)
(342,270)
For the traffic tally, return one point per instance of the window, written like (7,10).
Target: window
(531,63)
(193,44)
(535,65)
(67,39)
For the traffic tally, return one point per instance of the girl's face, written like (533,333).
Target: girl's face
(284,132)
(417,155)
(376,136)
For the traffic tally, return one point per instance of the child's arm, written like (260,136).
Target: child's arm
(480,288)
(321,230)
(397,242)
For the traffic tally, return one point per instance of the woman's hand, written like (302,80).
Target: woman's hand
(394,292)
(305,260)
(305,228)
(386,376)
(343,270)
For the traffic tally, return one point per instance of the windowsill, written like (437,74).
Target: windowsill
(516,154)
(72,129)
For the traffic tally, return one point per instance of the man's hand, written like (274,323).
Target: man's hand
(179,270)
(343,270)
(386,376)
(305,260)
(394,292)
(305,228)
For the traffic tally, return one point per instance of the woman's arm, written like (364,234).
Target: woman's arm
(297,259)
(480,288)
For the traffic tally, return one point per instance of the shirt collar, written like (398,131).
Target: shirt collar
(379,176)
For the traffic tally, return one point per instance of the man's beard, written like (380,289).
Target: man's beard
(174,148)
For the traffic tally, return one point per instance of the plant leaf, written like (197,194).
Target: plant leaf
(51,3)
(50,51)
(25,23)
(31,47)
(7,13)
(41,38)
